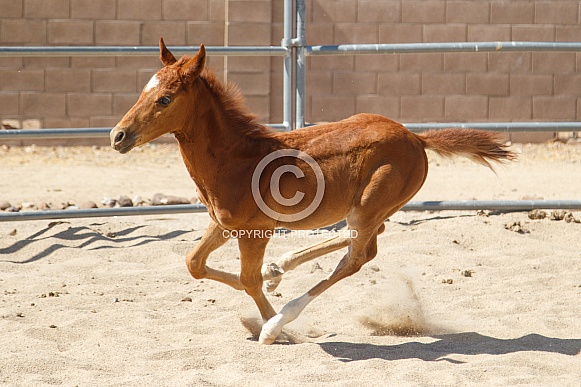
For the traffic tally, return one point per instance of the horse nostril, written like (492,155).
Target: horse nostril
(119,137)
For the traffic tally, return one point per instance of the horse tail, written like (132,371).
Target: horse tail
(479,146)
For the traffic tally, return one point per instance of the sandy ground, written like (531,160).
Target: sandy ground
(108,301)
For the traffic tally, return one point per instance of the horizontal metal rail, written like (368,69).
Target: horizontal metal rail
(406,48)
(500,126)
(24,134)
(27,51)
(62,133)
(459,205)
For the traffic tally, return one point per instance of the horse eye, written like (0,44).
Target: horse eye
(164,101)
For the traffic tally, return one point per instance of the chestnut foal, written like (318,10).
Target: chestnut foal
(362,169)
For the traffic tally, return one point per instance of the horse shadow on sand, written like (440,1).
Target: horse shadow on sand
(92,237)
(468,343)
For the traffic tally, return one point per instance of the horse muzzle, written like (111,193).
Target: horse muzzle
(122,140)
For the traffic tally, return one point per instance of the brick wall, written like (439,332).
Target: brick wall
(83,91)
(97,91)
(456,87)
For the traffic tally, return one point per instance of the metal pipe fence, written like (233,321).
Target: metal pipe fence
(454,205)
(294,50)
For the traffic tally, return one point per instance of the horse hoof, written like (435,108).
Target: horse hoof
(270,330)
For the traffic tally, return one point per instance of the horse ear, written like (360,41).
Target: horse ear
(194,67)
(165,55)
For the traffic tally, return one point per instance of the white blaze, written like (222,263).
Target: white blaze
(153,82)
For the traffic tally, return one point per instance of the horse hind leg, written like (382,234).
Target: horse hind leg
(273,272)
(363,249)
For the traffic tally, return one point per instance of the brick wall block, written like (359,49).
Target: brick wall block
(45,62)
(444,33)
(91,9)
(122,102)
(568,34)
(139,9)
(331,107)
(68,80)
(510,62)
(11,62)
(487,84)
(249,34)
(11,8)
(251,83)
(399,83)
(331,63)
(511,108)
(465,62)
(136,63)
(337,11)
(42,104)
(46,9)
(70,32)
(465,108)
(65,122)
(378,11)
(88,104)
(354,83)
(320,82)
(554,108)
(91,62)
(512,12)
(250,11)
(172,31)
(22,80)
(117,32)
(400,33)
(114,80)
(209,33)
(532,84)
(556,12)
(255,64)
(488,33)
(185,10)
(428,62)
(567,84)
(422,108)
(9,104)
(380,63)
(443,83)
(379,104)
(428,11)
(217,12)
(23,31)
(532,33)
(470,12)
(554,62)
(350,33)
(320,34)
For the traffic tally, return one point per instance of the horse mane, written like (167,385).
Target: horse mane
(232,104)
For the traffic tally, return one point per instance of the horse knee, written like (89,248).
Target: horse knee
(252,284)
(196,270)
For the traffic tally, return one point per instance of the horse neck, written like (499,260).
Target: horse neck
(213,136)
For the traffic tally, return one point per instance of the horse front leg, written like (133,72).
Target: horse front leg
(251,257)
(196,259)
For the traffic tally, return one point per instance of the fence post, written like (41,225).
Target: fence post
(299,44)
(287,77)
